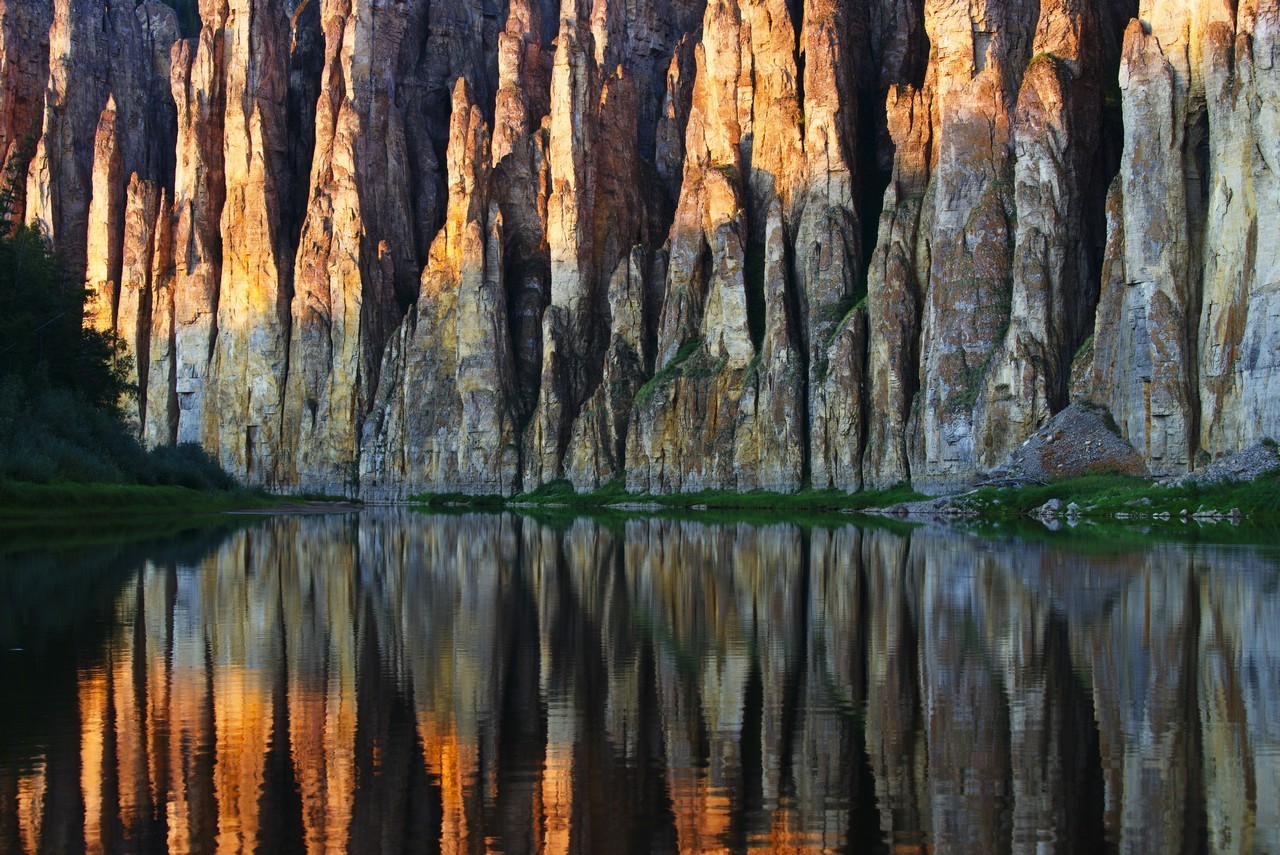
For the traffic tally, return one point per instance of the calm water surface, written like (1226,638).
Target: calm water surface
(389,682)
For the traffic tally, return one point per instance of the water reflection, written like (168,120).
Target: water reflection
(395,682)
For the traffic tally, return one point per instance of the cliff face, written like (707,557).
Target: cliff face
(391,247)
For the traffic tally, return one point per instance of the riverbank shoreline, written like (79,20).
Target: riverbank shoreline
(1110,497)
(28,501)
(1114,497)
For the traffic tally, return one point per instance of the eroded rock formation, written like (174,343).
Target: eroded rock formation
(443,418)
(388,248)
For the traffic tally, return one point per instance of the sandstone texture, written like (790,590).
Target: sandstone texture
(24,74)
(443,418)
(387,247)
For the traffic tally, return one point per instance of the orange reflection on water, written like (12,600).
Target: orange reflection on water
(95,697)
(453,765)
(702,688)
(30,795)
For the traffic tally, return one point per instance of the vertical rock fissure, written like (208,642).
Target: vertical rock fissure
(712,245)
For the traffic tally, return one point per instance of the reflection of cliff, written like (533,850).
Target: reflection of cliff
(496,684)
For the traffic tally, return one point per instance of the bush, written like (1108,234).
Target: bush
(189,465)
(56,436)
(61,385)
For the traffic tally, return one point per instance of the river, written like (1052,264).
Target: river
(390,681)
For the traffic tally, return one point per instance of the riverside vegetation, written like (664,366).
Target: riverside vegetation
(64,442)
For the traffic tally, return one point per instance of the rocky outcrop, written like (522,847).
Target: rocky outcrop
(734,244)
(1239,343)
(1056,188)
(199,91)
(674,120)
(1185,353)
(443,419)
(356,251)
(523,78)
(895,290)
(106,219)
(569,327)
(160,394)
(828,255)
(1146,347)
(250,353)
(1080,440)
(598,209)
(769,441)
(98,51)
(838,410)
(684,434)
(145,208)
(597,447)
(974,73)
(24,73)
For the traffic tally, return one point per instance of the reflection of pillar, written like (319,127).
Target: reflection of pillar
(562,646)
(593,556)
(895,732)
(702,809)
(386,763)
(191,803)
(157,628)
(452,765)
(1228,773)
(95,700)
(28,796)
(242,728)
(242,626)
(771,580)
(125,713)
(1240,709)
(831,750)
(319,616)
(1056,783)
(453,625)
(685,581)
(130,705)
(1014,633)
(966,717)
(559,778)
(1143,654)
(1257,651)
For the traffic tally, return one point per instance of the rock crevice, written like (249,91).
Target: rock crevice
(384,248)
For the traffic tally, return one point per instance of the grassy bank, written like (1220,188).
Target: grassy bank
(560,494)
(1097,496)
(26,500)
(1123,497)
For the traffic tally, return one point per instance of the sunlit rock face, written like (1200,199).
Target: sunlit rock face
(734,244)
(1187,359)
(444,414)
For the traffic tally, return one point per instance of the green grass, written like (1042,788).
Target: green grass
(326,498)
(444,500)
(1100,497)
(1108,495)
(26,500)
(668,373)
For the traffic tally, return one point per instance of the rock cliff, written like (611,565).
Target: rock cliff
(383,248)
